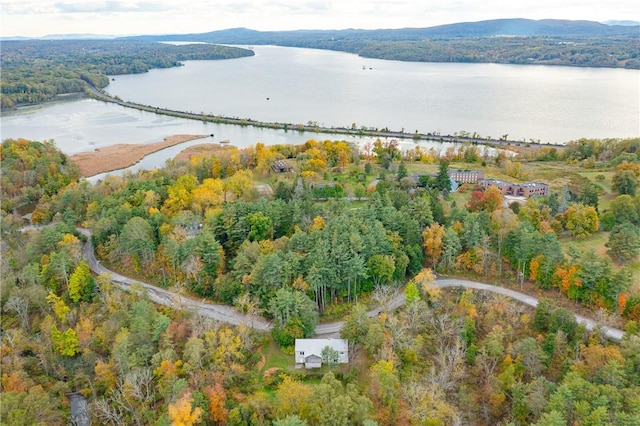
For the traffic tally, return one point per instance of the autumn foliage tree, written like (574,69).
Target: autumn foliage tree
(218,413)
(81,284)
(488,200)
(432,237)
(625,178)
(581,220)
(182,412)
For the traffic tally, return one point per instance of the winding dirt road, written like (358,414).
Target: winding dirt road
(229,315)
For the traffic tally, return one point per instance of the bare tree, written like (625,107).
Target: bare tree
(428,403)
(383,295)
(603,320)
(449,368)
(128,401)
(445,328)
(20,306)
(109,413)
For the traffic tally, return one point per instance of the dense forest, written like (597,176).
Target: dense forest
(37,71)
(614,53)
(505,41)
(343,234)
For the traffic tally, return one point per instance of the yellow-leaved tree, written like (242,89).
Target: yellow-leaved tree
(182,413)
(432,242)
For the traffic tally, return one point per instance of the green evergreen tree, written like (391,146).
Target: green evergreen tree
(443,182)
(402,170)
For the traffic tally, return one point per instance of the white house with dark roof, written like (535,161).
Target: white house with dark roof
(308,352)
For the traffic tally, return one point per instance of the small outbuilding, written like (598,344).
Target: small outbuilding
(281,166)
(312,353)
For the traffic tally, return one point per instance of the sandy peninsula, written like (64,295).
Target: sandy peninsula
(120,156)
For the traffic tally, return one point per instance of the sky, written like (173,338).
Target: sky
(36,18)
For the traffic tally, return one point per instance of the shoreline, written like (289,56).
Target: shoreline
(120,156)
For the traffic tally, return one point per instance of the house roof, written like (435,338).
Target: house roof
(315,346)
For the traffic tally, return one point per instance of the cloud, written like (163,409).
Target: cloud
(38,7)
(39,17)
(110,6)
(306,7)
(25,7)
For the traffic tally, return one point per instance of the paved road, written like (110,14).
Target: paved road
(229,315)
(610,332)
(167,298)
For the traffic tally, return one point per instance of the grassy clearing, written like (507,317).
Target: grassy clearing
(596,243)
(461,198)
(275,357)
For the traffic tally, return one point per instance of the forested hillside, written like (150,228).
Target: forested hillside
(505,41)
(37,71)
(344,233)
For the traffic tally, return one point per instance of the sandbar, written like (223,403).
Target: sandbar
(120,156)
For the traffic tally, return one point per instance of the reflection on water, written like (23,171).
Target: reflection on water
(291,85)
(87,125)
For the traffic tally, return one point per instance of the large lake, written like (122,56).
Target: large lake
(278,84)
(554,104)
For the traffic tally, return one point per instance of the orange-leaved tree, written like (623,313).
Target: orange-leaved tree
(432,242)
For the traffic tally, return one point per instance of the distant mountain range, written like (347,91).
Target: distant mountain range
(627,23)
(496,27)
(64,37)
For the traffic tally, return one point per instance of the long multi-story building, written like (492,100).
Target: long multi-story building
(466,176)
(527,190)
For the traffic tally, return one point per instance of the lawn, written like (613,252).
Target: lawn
(275,357)
(595,242)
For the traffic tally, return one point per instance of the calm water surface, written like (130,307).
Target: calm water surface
(87,124)
(553,104)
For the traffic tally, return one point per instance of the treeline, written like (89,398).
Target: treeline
(613,53)
(607,150)
(505,41)
(36,71)
(31,170)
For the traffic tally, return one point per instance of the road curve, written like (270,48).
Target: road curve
(164,297)
(229,315)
